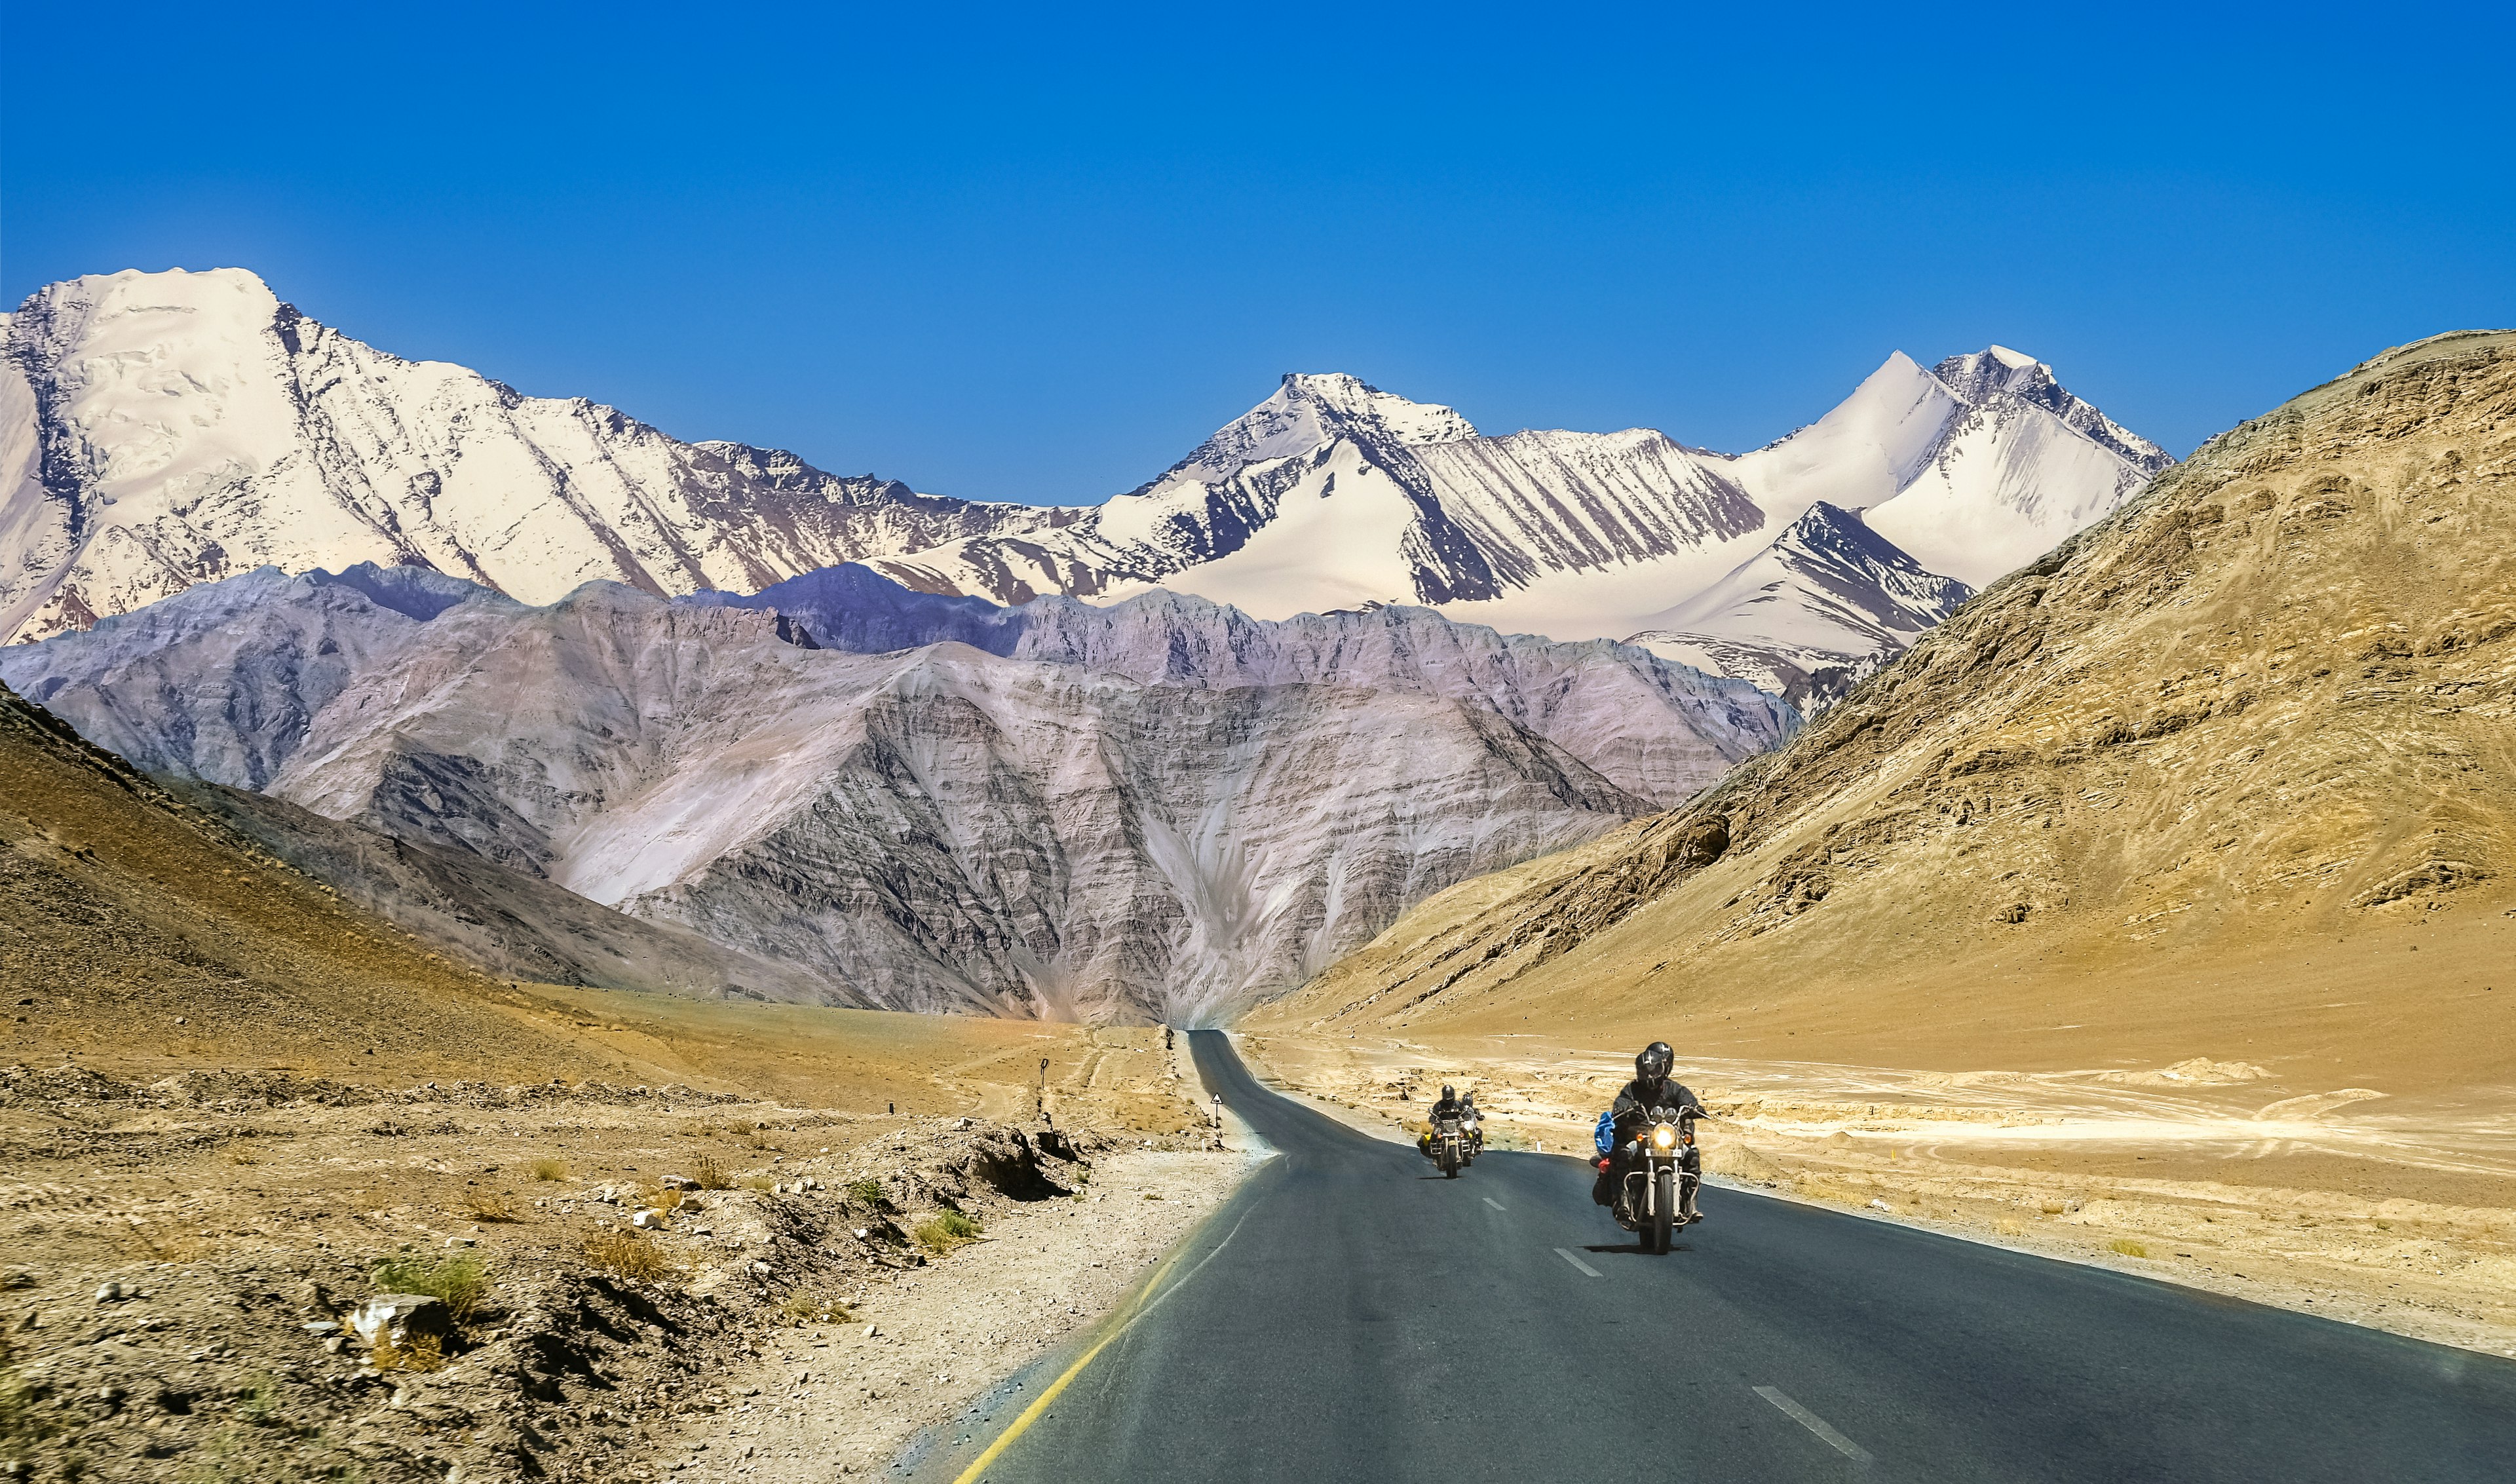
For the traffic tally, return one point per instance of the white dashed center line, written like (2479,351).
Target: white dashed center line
(1491,1201)
(1566,1253)
(1814,1424)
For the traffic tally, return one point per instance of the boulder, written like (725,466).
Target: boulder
(399,1317)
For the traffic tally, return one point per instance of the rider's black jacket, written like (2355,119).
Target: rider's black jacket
(1633,1105)
(1444,1108)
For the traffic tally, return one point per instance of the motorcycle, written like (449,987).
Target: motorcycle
(1449,1147)
(1660,1190)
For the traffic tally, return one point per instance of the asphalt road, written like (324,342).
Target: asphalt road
(1350,1315)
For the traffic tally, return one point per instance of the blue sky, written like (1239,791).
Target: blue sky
(1037,253)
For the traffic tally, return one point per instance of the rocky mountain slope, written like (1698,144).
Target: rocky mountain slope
(507,923)
(1655,729)
(2230,772)
(1156,809)
(127,914)
(160,430)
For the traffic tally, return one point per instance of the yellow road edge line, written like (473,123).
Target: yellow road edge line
(1031,1414)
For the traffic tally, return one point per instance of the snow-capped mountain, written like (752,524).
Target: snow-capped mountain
(1975,467)
(1811,616)
(158,429)
(1160,808)
(1332,494)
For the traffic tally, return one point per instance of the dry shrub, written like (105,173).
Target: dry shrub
(488,1205)
(710,1174)
(947,1231)
(625,1254)
(458,1279)
(871,1193)
(419,1352)
(800,1307)
(547,1169)
(2054,1207)
(2010,1226)
(2127,1247)
(243,1157)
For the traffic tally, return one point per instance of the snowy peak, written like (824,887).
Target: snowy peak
(1974,467)
(1999,372)
(1307,413)
(1862,453)
(1827,580)
(1838,546)
(1828,602)
(160,430)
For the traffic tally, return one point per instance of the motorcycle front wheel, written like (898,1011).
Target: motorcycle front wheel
(1663,1216)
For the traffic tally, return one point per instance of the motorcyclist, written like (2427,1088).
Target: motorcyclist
(1448,1107)
(1472,1123)
(1652,1088)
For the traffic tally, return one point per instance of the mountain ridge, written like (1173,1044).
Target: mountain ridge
(1156,809)
(161,430)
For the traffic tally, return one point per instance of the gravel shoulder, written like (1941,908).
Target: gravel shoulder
(932,1350)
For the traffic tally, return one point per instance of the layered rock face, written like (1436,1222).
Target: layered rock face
(2262,713)
(1657,730)
(1159,809)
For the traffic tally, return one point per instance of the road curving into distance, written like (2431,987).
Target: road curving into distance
(1352,1315)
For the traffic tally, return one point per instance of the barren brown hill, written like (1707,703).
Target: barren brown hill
(140,933)
(2232,772)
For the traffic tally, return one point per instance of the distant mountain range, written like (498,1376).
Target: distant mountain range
(159,430)
(1158,809)
(575,699)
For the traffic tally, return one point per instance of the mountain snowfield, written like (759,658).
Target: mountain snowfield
(1158,809)
(158,429)
(1780,620)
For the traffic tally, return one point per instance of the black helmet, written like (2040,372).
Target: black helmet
(1446,1094)
(1653,1065)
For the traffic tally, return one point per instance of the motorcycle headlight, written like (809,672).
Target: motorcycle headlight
(1664,1136)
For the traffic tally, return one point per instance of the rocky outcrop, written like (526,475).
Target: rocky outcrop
(513,925)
